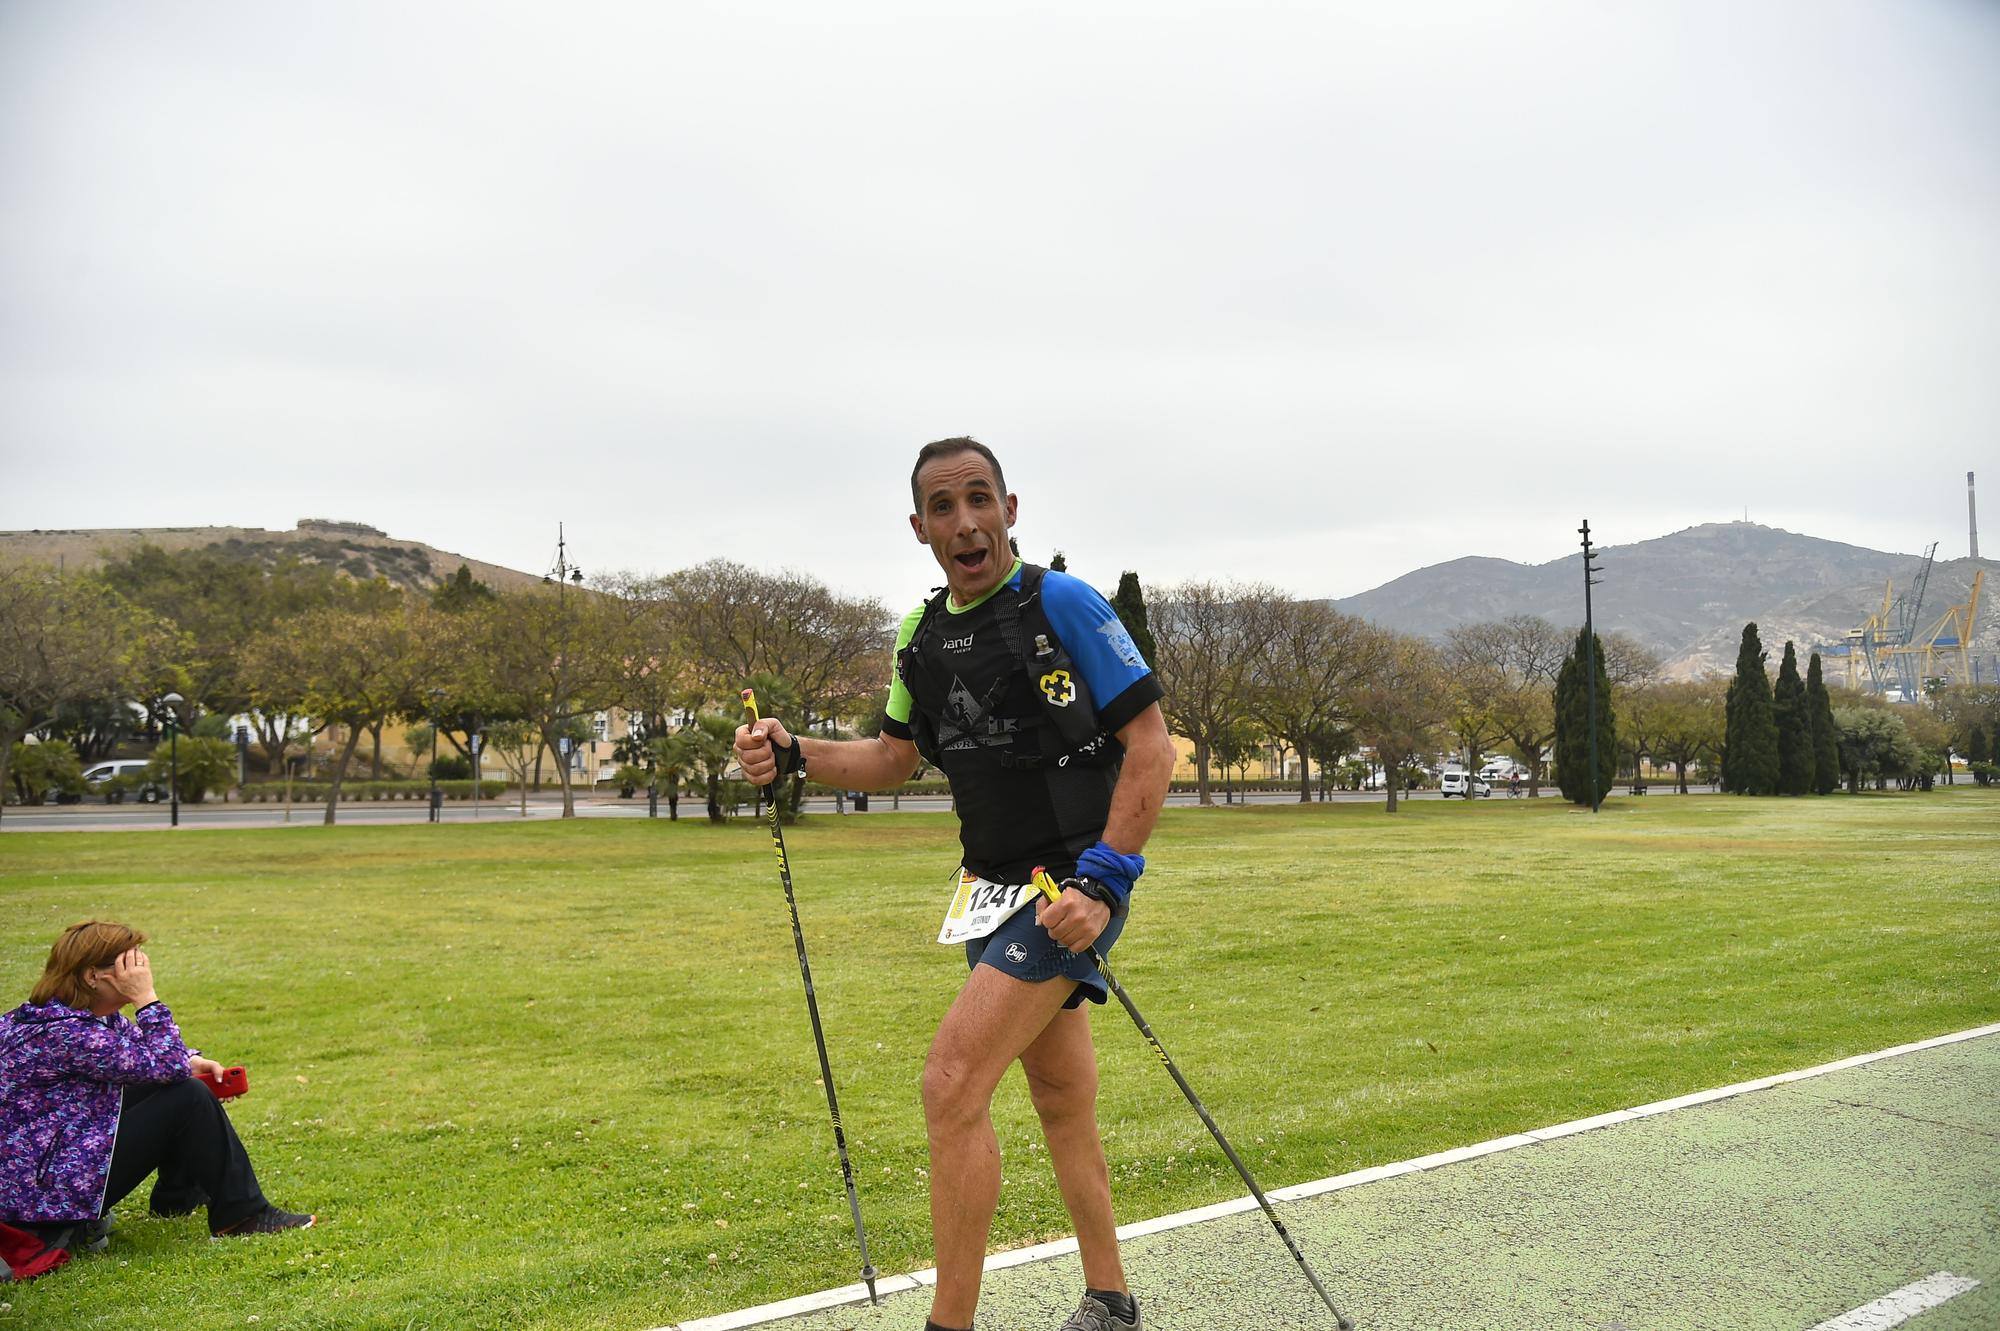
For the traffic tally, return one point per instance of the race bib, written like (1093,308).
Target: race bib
(979,907)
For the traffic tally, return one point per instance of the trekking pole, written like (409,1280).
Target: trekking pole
(812,1008)
(1050,890)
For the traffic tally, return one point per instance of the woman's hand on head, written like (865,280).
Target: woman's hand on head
(132,977)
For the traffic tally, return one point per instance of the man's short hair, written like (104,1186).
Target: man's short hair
(944,448)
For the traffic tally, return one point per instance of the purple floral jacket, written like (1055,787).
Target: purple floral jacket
(62,1074)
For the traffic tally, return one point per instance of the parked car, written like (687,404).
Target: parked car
(1463,786)
(112,779)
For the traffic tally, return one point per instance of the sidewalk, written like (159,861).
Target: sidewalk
(1784,1205)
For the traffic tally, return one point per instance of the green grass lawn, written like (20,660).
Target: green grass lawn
(559,1075)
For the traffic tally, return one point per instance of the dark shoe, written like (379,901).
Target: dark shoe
(1090,1315)
(270,1220)
(73,1236)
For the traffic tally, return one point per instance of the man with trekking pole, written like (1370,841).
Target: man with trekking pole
(1024,688)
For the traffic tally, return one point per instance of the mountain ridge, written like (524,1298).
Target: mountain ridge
(1685,595)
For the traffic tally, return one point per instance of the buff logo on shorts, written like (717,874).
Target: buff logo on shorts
(1059,687)
(1016,953)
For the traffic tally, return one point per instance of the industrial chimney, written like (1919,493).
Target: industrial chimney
(1971,515)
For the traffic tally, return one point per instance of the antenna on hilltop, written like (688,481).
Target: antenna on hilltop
(1971,517)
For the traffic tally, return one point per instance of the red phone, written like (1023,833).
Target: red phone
(229,1084)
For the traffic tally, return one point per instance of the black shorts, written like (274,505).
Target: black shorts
(1023,949)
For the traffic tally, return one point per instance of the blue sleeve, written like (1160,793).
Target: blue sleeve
(1121,684)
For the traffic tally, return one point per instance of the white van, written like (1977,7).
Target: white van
(1459,784)
(95,779)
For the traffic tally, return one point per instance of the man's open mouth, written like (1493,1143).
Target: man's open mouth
(970,560)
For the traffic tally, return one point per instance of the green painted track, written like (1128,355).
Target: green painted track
(1771,1211)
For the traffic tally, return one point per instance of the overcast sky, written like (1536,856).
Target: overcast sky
(1312,293)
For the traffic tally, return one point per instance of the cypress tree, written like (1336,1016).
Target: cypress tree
(1977,752)
(1750,731)
(1794,719)
(1057,564)
(1130,603)
(1572,742)
(1825,734)
(461,591)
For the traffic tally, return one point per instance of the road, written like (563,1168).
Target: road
(145,817)
(1839,1201)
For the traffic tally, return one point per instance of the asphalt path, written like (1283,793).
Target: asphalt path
(1853,1198)
(95,817)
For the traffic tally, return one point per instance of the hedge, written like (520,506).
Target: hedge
(308,792)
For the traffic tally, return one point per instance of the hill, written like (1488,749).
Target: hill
(352,547)
(1686,595)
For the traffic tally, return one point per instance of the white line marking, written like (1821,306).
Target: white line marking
(851,1294)
(1899,1306)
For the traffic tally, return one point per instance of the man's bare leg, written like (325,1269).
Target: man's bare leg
(994,1019)
(1062,1077)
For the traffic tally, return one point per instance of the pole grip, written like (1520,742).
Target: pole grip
(750,719)
(1046,884)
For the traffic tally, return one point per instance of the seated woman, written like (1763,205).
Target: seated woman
(91,1101)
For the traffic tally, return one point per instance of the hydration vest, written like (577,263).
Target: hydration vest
(1008,718)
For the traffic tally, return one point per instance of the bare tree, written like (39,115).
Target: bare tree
(736,622)
(1479,689)
(1626,663)
(1212,638)
(1313,660)
(1513,664)
(652,675)
(551,656)
(1404,703)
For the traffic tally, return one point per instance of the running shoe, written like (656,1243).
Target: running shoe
(270,1220)
(1090,1315)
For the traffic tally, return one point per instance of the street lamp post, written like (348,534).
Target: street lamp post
(437,805)
(563,574)
(171,701)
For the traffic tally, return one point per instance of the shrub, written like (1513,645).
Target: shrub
(39,771)
(452,767)
(306,792)
(205,765)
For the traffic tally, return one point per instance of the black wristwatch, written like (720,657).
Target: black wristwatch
(1097,891)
